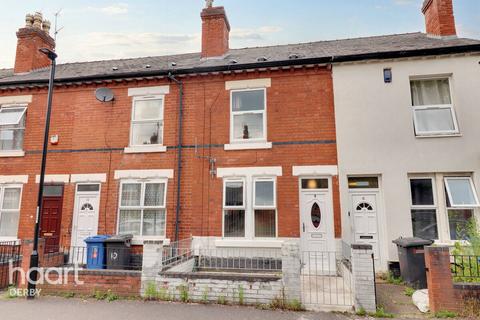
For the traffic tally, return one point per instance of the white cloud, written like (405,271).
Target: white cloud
(116,9)
(406,2)
(253,34)
(111,45)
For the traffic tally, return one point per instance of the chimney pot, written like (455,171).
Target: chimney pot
(37,20)
(439,18)
(29,20)
(46,26)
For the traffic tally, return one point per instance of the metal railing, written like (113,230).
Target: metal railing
(94,258)
(239,260)
(465,268)
(177,252)
(10,256)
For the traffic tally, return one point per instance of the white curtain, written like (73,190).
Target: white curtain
(430,92)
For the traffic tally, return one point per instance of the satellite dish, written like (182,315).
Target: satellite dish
(104,94)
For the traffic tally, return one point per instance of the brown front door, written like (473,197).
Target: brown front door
(51,217)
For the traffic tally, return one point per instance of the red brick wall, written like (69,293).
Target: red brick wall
(439,18)
(299,109)
(28,58)
(444,294)
(123,284)
(215,32)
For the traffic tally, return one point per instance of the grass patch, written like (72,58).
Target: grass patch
(409,291)
(444,314)
(380,313)
(361,312)
(394,280)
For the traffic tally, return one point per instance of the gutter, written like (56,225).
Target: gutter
(171,77)
(267,64)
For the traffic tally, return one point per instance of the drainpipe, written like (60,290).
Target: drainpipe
(179,147)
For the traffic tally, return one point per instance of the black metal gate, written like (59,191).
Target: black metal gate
(9,258)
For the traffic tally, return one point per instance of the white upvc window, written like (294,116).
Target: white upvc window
(448,218)
(248,115)
(423,208)
(433,112)
(10,196)
(256,218)
(142,208)
(461,200)
(265,207)
(147,121)
(12,127)
(234,208)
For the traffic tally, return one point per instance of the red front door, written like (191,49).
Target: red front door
(50,223)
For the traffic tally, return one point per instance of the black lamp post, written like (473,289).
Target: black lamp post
(34,257)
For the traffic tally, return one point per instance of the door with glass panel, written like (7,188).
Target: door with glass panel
(86,212)
(9,211)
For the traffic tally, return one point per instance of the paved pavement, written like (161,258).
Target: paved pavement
(50,308)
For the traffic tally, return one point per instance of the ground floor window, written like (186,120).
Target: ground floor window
(142,210)
(438,196)
(246,219)
(9,210)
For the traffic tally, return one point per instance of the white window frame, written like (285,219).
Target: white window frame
(449,194)
(133,121)
(249,205)
(2,190)
(272,207)
(425,207)
(236,113)
(420,133)
(14,152)
(225,207)
(141,207)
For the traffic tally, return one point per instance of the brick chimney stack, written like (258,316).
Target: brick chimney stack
(215,31)
(31,38)
(439,18)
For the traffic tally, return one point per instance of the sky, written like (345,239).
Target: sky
(98,30)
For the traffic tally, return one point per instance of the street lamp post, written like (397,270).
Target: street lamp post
(34,256)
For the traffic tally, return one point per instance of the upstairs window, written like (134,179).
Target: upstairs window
(248,116)
(147,121)
(12,127)
(433,112)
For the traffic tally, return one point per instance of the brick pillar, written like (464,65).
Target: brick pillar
(441,293)
(363,277)
(26,252)
(152,262)
(291,268)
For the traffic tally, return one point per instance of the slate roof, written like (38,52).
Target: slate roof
(377,47)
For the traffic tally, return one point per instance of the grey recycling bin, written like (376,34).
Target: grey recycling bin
(411,254)
(118,251)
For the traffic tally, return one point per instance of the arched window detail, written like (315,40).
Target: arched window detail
(87,206)
(364,206)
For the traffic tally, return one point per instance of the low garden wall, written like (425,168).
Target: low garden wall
(444,293)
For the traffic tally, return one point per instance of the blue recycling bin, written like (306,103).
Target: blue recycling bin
(96,252)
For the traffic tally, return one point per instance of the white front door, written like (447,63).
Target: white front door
(316,222)
(364,209)
(85,217)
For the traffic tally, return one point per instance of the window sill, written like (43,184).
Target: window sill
(145,149)
(9,239)
(448,135)
(248,146)
(242,243)
(13,153)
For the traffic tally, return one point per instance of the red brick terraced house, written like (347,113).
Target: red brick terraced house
(237,146)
